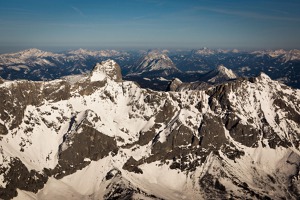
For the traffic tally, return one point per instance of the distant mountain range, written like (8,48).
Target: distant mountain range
(154,68)
(286,55)
(34,64)
(292,55)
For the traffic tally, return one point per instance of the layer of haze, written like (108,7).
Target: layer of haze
(97,24)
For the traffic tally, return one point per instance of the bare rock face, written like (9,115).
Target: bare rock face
(83,145)
(120,188)
(174,84)
(18,176)
(177,86)
(20,94)
(131,165)
(212,133)
(3,129)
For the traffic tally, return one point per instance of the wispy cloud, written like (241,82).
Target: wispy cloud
(78,11)
(247,14)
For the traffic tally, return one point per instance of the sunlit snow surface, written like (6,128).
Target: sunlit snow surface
(123,113)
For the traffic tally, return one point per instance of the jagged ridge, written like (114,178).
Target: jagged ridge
(71,134)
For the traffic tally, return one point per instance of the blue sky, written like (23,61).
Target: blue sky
(97,24)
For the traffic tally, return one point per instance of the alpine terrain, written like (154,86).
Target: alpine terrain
(155,63)
(96,136)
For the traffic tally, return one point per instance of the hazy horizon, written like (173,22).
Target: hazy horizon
(66,49)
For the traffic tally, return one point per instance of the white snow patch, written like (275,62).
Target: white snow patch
(58,190)
(73,78)
(98,76)
(160,180)
(2,183)
(162,79)
(14,68)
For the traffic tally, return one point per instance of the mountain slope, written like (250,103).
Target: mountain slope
(97,136)
(155,63)
(219,75)
(177,85)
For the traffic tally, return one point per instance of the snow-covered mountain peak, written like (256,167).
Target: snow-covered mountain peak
(292,55)
(264,76)
(33,52)
(177,80)
(80,51)
(101,53)
(225,71)
(205,51)
(277,52)
(285,55)
(155,54)
(235,51)
(155,62)
(108,65)
(208,52)
(219,75)
(106,69)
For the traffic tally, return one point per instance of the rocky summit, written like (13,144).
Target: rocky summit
(219,75)
(154,63)
(95,136)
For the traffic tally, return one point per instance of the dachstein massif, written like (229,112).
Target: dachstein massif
(96,136)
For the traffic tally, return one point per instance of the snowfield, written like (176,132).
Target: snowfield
(98,137)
